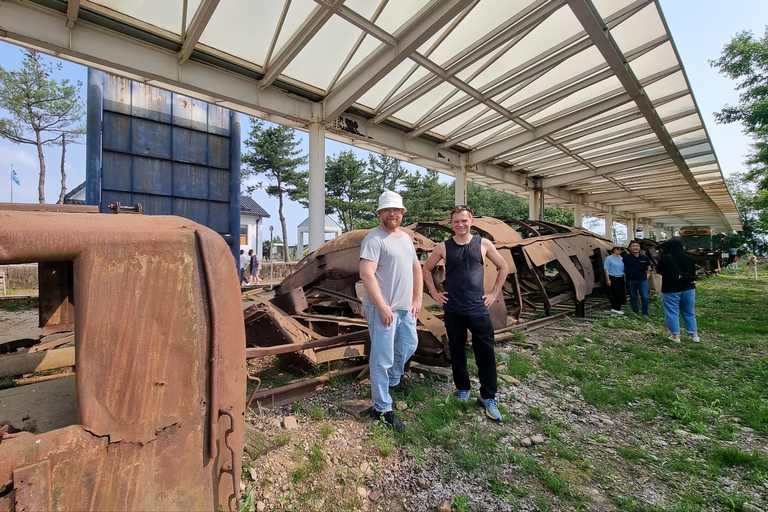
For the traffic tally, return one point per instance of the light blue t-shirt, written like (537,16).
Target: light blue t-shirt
(394,257)
(614,266)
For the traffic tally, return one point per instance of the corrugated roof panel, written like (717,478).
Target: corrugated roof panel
(528,87)
(607,88)
(659,59)
(165,15)
(556,28)
(231,21)
(680,105)
(666,86)
(607,8)
(628,37)
(322,56)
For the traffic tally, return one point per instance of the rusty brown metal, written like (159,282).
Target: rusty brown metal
(160,365)
(549,265)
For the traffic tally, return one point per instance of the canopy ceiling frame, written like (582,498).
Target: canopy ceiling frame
(584,101)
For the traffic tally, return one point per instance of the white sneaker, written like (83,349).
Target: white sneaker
(617,312)
(695,339)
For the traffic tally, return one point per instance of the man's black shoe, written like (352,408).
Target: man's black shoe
(389,419)
(401,387)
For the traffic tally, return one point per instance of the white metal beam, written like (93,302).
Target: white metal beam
(300,38)
(196,28)
(73,7)
(424,25)
(501,147)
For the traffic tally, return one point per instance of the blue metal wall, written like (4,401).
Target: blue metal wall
(173,154)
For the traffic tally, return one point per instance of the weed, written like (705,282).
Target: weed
(519,366)
(326,430)
(283,438)
(381,440)
(461,503)
(631,453)
(247,501)
(316,412)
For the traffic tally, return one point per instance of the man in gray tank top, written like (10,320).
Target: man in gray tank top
(466,304)
(391,275)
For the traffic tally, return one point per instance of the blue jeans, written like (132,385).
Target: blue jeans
(679,303)
(640,287)
(391,348)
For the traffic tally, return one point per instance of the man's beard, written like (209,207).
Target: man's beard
(392,223)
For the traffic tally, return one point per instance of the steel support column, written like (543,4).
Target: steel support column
(533,203)
(609,224)
(460,182)
(577,212)
(316,183)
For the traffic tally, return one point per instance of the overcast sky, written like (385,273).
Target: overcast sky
(699,28)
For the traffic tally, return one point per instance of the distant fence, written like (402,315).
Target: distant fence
(20,276)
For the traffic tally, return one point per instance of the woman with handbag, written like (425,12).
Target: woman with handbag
(678,291)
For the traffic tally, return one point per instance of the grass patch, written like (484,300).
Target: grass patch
(519,366)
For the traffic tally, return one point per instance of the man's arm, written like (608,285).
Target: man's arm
(368,277)
(438,254)
(418,289)
(501,266)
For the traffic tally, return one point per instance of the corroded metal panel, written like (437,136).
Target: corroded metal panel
(57,312)
(160,364)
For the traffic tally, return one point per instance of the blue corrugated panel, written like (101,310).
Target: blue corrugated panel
(152,176)
(190,181)
(173,154)
(190,146)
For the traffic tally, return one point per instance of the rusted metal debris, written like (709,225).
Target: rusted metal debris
(549,264)
(153,418)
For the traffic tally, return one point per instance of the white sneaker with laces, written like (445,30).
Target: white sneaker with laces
(617,312)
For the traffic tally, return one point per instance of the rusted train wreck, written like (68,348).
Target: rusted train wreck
(150,415)
(549,264)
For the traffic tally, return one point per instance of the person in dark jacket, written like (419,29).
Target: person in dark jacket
(636,266)
(678,292)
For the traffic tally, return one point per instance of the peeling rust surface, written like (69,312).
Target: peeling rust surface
(159,354)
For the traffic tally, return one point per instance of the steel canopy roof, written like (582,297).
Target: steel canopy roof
(585,100)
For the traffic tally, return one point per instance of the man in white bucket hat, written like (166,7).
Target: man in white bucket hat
(391,275)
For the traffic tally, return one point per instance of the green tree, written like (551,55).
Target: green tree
(753,212)
(273,152)
(350,191)
(389,171)
(745,59)
(558,215)
(43,111)
(426,198)
(486,201)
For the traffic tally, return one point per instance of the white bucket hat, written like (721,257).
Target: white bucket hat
(389,199)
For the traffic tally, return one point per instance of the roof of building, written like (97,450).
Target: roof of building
(248,205)
(586,101)
(329,223)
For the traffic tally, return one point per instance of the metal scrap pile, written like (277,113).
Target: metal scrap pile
(549,264)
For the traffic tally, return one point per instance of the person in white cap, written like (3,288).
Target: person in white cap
(391,275)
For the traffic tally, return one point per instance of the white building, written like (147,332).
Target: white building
(251,220)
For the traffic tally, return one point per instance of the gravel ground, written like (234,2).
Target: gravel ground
(358,477)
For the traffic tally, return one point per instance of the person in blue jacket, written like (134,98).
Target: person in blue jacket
(614,278)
